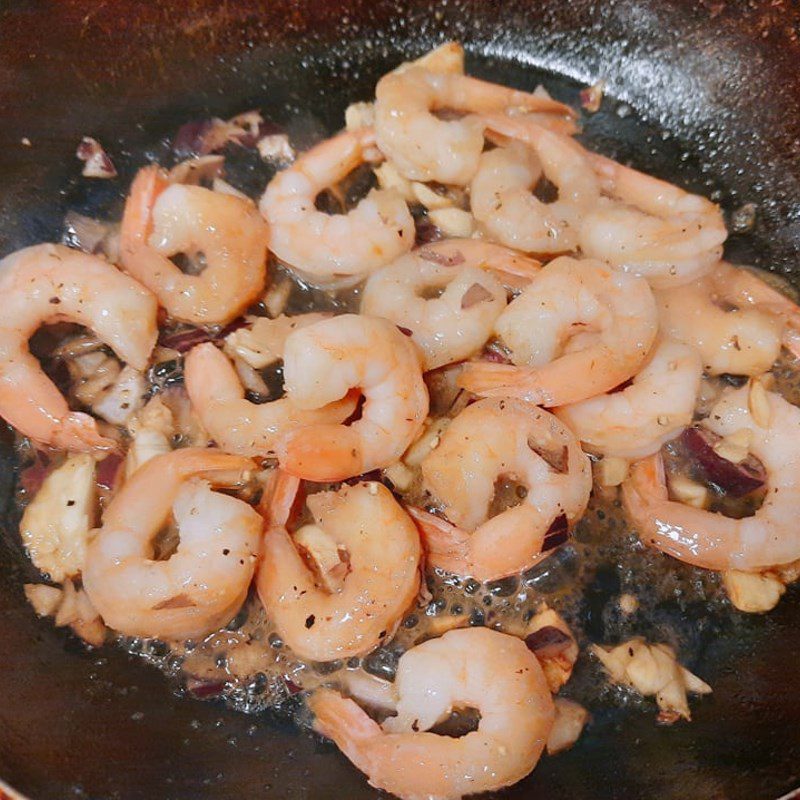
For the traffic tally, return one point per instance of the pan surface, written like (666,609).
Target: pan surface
(703,93)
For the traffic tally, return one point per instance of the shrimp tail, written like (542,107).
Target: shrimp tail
(78,432)
(447,544)
(137,219)
(504,380)
(278,499)
(321,453)
(341,719)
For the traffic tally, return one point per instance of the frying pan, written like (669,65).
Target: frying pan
(704,93)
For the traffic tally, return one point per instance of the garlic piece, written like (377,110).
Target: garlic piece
(687,491)
(359,115)
(613,470)
(568,725)
(453,222)
(753,592)
(430,199)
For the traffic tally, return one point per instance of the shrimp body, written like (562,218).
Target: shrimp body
(162,220)
(426,148)
(652,228)
(473,667)
(322,363)
(579,329)
(51,283)
(382,580)
(203,584)
(500,439)
(327,247)
(707,539)
(655,408)
(501,191)
(472,276)
(734,319)
(236,424)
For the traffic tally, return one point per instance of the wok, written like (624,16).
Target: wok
(715,91)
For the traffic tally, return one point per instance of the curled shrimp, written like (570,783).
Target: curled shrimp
(163,219)
(578,330)
(321,364)
(656,407)
(488,441)
(236,424)
(202,585)
(51,283)
(501,191)
(380,551)
(326,247)
(735,320)
(426,148)
(711,540)
(652,228)
(473,277)
(475,668)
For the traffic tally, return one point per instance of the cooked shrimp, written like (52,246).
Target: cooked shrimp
(321,364)
(324,247)
(655,408)
(655,230)
(488,441)
(203,584)
(472,276)
(706,539)
(236,424)
(474,668)
(501,192)
(735,320)
(51,283)
(381,552)
(162,220)
(426,148)
(579,329)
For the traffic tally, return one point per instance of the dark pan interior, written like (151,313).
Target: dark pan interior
(716,94)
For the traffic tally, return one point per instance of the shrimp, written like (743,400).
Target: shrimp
(735,320)
(710,540)
(473,667)
(579,329)
(326,247)
(426,148)
(501,191)
(236,424)
(490,440)
(380,550)
(163,219)
(203,584)
(472,276)
(51,283)
(321,364)
(652,228)
(655,408)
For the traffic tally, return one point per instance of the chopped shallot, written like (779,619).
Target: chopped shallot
(97,164)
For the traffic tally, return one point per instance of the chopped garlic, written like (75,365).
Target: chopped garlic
(735,447)
(557,667)
(453,222)
(276,148)
(123,399)
(427,441)
(389,178)
(430,199)
(687,491)
(400,475)
(359,115)
(568,725)
(613,470)
(324,553)
(628,603)
(70,606)
(152,430)
(262,343)
(753,592)
(652,670)
(758,403)
(55,526)
(277,296)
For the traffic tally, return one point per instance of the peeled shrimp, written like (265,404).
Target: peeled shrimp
(203,584)
(579,329)
(501,192)
(472,276)
(321,364)
(654,229)
(162,220)
(488,441)
(655,408)
(735,320)
(236,424)
(426,148)
(473,667)
(706,539)
(381,553)
(51,283)
(325,247)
